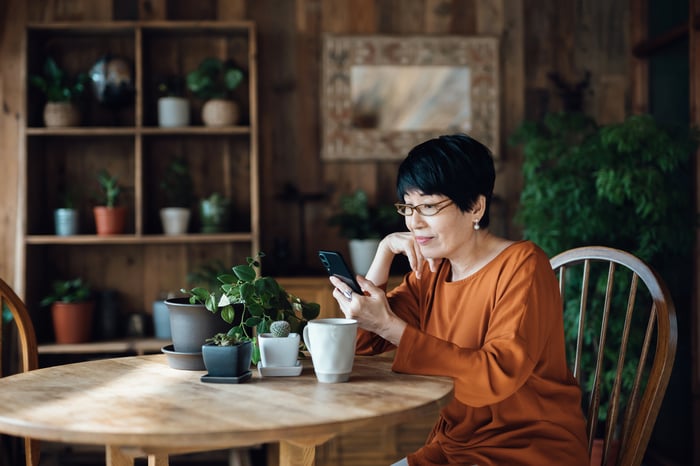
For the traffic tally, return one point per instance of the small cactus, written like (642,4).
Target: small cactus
(280,328)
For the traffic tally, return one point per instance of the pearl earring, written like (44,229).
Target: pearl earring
(476,225)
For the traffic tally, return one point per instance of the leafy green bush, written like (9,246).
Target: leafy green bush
(627,186)
(358,219)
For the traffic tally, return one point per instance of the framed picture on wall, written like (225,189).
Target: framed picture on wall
(382,95)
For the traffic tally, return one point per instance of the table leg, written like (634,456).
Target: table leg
(293,454)
(116,457)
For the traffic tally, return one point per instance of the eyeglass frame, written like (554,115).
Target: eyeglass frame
(417,208)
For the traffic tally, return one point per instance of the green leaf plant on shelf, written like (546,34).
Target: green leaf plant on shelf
(252,303)
(61,91)
(626,186)
(214,81)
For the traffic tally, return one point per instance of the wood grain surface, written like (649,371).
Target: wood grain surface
(139,405)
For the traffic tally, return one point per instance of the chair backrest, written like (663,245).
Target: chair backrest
(622,317)
(27,346)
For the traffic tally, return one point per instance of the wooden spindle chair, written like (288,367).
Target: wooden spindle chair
(614,287)
(26,345)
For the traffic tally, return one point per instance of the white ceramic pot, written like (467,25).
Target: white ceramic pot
(66,221)
(173,112)
(278,351)
(362,253)
(175,220)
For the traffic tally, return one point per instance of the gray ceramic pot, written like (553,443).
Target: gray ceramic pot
(227,361)
(192,324)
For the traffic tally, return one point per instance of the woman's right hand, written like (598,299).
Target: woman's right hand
(397,243)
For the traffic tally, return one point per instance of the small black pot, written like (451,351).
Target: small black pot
(227,361)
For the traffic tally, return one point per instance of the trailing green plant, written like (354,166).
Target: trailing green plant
(176,184)
(110,188)
(260,301)
(68,291)
(214,79)
(57,85)
(357,219)
(626,186)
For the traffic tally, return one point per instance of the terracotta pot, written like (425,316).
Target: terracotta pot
(58,114)
(220,112)
(72,322)
(110,220)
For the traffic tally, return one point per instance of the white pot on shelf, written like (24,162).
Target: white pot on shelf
(173,112)
(362,253)
(175,220)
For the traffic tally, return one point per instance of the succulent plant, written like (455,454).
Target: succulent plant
(280,328)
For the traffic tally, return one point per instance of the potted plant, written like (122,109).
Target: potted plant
(66,217)
(252,302)
(110,218)
(280,346)
(215,213)
(581,179)
(173,107)
(364,225)
(227,356)
(61,92)
(213,81)
(176,185)
(72,308)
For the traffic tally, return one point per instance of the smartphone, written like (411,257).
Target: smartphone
(335,265)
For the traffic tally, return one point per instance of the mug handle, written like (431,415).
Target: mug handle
(306,339)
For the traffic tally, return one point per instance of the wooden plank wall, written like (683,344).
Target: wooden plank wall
(537,37)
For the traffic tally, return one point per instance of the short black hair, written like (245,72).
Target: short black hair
(456,166)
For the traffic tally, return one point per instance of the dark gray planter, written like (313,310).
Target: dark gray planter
(227,361)
(192,324)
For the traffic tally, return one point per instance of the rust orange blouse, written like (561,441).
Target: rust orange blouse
(499,333)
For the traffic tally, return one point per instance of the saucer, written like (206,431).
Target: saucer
(240,379)
(183,361)
(289,371)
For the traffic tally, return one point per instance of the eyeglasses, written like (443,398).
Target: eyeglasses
(424,209)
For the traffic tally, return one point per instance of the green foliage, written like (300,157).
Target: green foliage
(176,184)
(214,79)
(263,301)
(68,291)
(110,188)
(226,339)
(358,219)
(56,85)
(626,186)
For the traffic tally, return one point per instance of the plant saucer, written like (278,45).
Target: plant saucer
(240,379)
(290,371)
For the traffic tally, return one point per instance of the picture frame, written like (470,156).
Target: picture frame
(382,95)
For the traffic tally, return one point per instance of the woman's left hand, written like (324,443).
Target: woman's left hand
(371,310)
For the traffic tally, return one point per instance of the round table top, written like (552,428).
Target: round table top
(140,401)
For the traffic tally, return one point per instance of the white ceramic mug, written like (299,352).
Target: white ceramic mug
(331,343)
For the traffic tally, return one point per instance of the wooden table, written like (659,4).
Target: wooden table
(139,406)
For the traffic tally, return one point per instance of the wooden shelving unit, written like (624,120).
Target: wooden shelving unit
(143,263)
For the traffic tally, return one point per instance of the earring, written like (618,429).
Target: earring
(476,225)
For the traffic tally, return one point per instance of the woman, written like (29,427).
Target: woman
(478,308)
